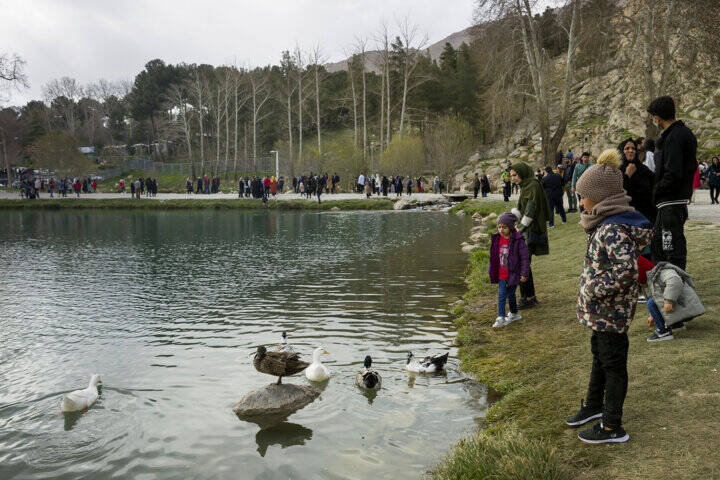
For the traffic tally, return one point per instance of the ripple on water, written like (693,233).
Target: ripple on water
(170,306)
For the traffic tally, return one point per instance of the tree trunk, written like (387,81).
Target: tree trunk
(235,143)
(317,110)
(354,99)
(382,108)
(364,107)
(227,129)
(389,111)
(404,102)
(648,44)
(5,158)
(300,121)
(290,134)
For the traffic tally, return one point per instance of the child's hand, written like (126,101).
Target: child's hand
(650,321)
(668,307)
(523,279)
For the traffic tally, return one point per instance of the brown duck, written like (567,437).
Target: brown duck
(280,364)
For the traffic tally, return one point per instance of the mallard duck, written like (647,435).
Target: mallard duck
(317,372)
(284,346)
(366,378)
(280,364)
(82,399)
(428,364)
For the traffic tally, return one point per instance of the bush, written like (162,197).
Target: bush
(507,455)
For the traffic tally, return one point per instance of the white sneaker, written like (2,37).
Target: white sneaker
(499,322)
(512,317)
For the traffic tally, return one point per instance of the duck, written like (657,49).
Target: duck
(317,372)
(284,346)
(82,399)
(429,364)
(279,364)
(366,378)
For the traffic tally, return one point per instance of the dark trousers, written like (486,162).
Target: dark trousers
(608,377)
(572,201)
(714,192)
(668,240)
(556,205)
(475,192)
(506,192)
(527,289)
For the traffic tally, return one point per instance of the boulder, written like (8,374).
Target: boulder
(401,204)
(334,209)
(460,213)
(491,215)
(469,248)
(477,215)
(476,237)
(275,399)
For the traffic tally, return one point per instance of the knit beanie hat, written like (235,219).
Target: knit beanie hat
(507,219)
(602,180)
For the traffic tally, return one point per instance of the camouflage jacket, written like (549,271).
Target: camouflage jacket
(608,284)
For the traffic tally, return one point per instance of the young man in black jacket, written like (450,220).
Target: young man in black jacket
(675,165)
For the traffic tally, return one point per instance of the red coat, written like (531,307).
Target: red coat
(266,181)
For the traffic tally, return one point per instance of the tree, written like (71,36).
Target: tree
(62,94)
(408,48)
(59,152)
(449,143)
(316,61)
(12,72)
(259,95)
(541,68)
(405,155)
(179,104)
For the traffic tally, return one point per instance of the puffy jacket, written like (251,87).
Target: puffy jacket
(675,164)
(668,283)
(518,258)
(553,185)
(608,283)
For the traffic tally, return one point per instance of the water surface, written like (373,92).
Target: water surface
(168,307)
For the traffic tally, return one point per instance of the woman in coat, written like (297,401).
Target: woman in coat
(713,177)
(533,211)
(638,180)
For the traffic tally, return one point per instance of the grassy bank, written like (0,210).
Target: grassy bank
(180,204)
(541,366)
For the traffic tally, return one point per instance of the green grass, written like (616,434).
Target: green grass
(541,366)
(179,204)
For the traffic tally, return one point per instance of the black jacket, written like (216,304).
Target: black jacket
(639,188)
(553,185)
(675,164)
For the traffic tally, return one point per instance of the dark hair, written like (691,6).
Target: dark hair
(622,145)
(715,158)
(663,107)
(650,145)
(585,154)
(548,169)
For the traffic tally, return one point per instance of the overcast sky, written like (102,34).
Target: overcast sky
(113,39)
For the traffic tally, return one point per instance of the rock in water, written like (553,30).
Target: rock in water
(275,399)
(401,204)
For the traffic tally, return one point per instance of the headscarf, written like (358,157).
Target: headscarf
(532,190)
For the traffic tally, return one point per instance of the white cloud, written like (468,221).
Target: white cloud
(92,39)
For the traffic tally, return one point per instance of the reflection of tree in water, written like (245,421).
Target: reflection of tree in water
(285,434)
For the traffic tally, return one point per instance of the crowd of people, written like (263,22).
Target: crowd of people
(633,208)
(32,187)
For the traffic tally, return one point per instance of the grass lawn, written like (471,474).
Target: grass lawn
(541,365)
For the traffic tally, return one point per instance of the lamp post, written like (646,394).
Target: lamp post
(277,164)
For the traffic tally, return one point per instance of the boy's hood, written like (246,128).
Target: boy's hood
(686,278)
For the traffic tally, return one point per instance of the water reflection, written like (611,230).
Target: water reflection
(170,306)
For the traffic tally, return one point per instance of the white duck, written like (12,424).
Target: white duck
(368,379)
(82,399)
(284,346)
(429,364)
(317,372)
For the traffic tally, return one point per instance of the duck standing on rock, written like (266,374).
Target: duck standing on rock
(280,364)
(317,372)
(284,346)
(429,364)
(366,378)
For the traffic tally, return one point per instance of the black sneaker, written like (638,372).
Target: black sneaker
(527,303)
(597,434)
(660,335)
(584,415)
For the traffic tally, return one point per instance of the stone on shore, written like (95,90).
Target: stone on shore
(469,248)
(401,204)
(275,399)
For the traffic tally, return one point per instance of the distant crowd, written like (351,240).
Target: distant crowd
(31,188)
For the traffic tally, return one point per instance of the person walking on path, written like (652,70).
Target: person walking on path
(533,211)
(567,174)
(638,180)
(506,184)
(675,166)
(189,185)
(509,266)
(476,185)
(553,185)
(713,178)
(608,294)
(579,170)
(485,185)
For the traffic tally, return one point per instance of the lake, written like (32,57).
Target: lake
(169,306)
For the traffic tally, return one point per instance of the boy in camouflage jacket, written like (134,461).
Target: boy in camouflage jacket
(608,293)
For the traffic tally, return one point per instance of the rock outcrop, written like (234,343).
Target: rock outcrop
(275,399)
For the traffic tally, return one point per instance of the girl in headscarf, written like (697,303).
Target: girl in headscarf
(638,180)
(533,211)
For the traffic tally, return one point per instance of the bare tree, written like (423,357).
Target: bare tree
(240,97)
(200,92)
(411,44)
(360,47)
(65,92)
(541,68)
(179,104)
(350,65)
(449,143)
(316,60)
(286,95)
(300,64)
(259,94)
(12,73)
